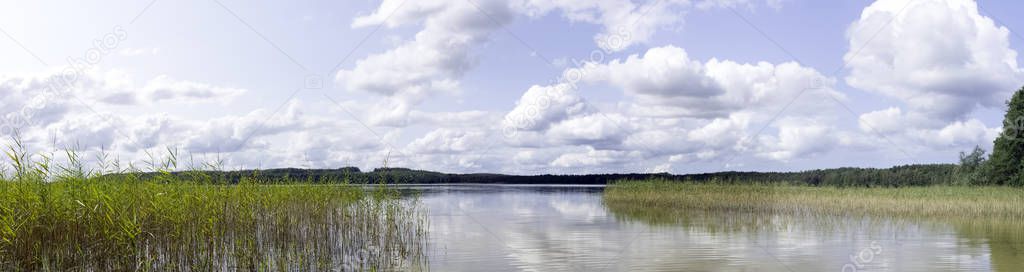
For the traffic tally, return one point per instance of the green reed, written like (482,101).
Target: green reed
(992,217)
(61,218)
(927,201)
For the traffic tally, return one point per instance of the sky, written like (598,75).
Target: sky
(512,86)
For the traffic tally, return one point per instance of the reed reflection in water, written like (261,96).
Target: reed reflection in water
(566,228)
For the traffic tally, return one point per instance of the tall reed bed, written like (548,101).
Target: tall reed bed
(928,201)
(62,218)
(991,217)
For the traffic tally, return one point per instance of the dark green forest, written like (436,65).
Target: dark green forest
(910,175)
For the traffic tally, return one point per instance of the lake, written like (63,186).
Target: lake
(568,228)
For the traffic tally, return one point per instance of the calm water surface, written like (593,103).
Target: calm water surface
(568,228)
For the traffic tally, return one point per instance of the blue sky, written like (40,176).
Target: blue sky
(473,86)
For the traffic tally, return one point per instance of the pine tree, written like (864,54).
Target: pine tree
(1007,158)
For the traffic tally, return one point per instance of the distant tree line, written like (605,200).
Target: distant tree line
(910,175)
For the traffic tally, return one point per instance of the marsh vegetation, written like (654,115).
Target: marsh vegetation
(60,218)
(922,201)
(990,217)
